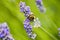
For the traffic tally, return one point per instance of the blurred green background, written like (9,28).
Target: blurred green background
(10,13)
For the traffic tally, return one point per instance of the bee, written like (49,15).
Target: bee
(31,17)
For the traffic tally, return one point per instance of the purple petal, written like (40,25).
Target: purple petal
(27,9)
(3,30)
(29,29)
(27,21)
(22,9)
(22,6)
(2,34)
(25,26)
(39,2)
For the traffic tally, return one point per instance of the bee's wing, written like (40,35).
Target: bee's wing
(37,23)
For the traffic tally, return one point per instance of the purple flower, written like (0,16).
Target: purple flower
(26,23)
(40,6)
(2,34)
(28,29)
(27,11)
(27,26)
(22,6)
(39,2)
(22,9)
(3,30)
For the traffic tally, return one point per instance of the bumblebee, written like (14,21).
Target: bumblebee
(31,17)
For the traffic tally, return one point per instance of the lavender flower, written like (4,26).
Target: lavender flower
(29,29)
(4,30)
(40,6)
(3,33)
(27,11)
(22,6)
(27,26)
(26,23)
